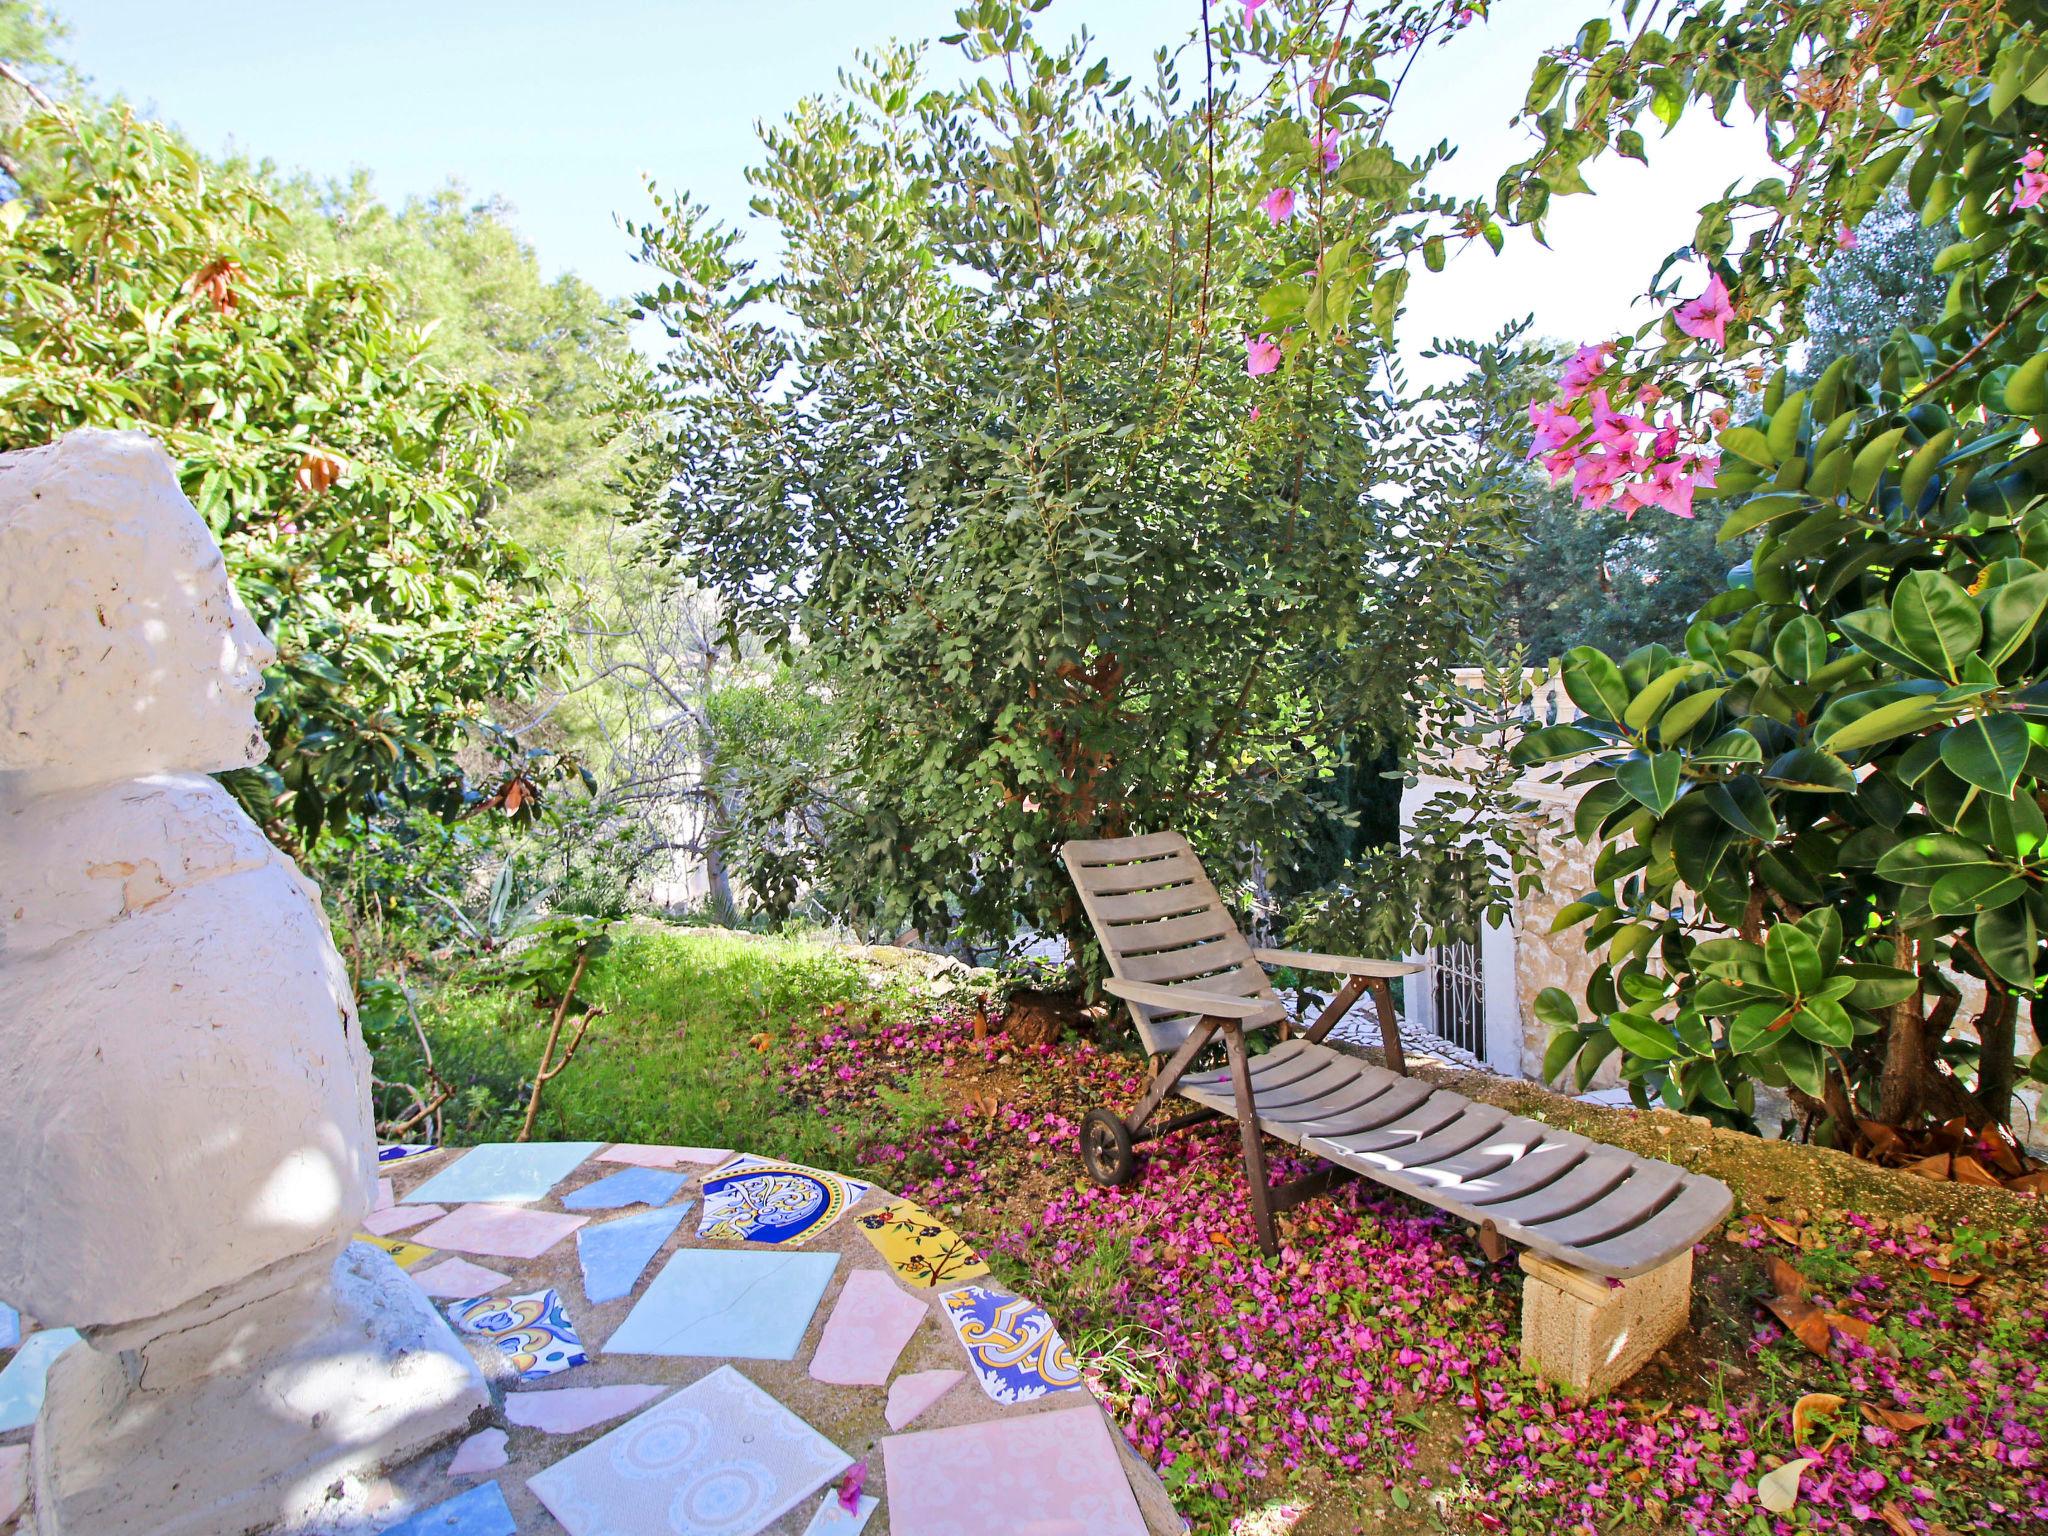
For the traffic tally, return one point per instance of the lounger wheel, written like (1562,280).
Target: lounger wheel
(1106,1148)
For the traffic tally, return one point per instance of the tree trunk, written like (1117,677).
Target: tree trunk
(1995,1036)
(1906,1054)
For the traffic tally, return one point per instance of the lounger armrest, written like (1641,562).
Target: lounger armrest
(1215,1005)
(1334,965)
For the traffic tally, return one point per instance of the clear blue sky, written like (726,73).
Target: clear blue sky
(558,108)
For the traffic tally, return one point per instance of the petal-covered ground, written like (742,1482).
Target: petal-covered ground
(1367,1378)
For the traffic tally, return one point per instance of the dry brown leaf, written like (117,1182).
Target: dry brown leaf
(215,282)
(1855,1327)
(1935,1167)
(1804,1321)
(1785,1280)
(317,471)
(762,1041)
(2002,1150)
(2030,1183)
(1783,1231)
(1809,1408)
(1951,1278)
(1491,1243)
(1895,1520)
(1893,1418)
(1969,1171)
(1778,1489)
(1885,1140)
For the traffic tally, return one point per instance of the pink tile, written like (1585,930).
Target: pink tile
(459,1280)
(387,1219)
(1052,1474)
(502,1231)
(645,1156)
(385,1196)
(867,1330)
(13,1480)
(914,1391)
(568,1409)
(483,1451)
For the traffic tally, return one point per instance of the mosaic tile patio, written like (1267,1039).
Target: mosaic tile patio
(726,1386)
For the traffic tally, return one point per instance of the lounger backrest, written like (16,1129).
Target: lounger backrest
(1159,919)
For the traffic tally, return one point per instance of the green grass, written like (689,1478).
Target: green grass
(672,1058)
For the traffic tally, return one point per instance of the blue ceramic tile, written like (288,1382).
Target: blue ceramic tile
(504,1170)
(629,1186)
(532,1332)
(478,1511)
(21,1384)
(10,1326)
(614,1253)
(717,1301)
(1016,1352)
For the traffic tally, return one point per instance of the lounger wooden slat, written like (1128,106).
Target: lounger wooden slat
(1181,964)
(1214,965)
(1648,1190)
(1145,906)
(1172,932)
(1701,1206)
(1358,1096)
(1147,875)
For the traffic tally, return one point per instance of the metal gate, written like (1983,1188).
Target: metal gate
(1458,991)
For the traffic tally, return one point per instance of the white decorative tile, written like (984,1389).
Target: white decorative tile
(719,1458)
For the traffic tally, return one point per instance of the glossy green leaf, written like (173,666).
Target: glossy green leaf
(1743,805)
(1935,622)
(1793,961)
(1652,779)
(1553,742)
(1988,751)
(1642,1036)
(2009,942)
(1594,683)
(1810,771)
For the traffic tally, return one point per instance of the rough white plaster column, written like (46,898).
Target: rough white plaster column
(188,1141)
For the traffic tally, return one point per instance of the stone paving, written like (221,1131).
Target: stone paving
(682,1341)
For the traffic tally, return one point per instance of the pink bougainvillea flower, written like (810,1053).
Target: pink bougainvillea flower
(1584,366)
(2034,158)
(1612,428)
(1409,37)
(1261,356)
(1706,317)
(1279,204)
(1665,444)
(850,1486)
(1553,427)
(1254,415)
(1251,8)
(2032,186)
(1846,238)
(1326,141)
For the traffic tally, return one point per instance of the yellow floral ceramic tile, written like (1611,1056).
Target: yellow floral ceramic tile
(920,1249)
(404,1255)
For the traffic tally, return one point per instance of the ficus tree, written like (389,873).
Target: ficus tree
(1004,451)
(1820,820)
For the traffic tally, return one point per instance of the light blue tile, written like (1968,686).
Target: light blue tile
(629,1186)
(518,1172)
(715,1301)
(614,1252)
(10,1326)
(21,1384)
(478,1511)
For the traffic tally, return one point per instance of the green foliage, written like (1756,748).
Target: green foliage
(1001,485)
(343,472)
(1465,854)
(672,1063)
(1829,801)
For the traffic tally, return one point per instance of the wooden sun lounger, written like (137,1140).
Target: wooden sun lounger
(1588,1214)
